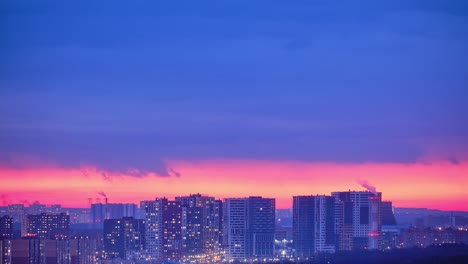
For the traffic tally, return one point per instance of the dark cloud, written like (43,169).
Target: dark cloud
(106,177)
(453,160)
(102,156)
(85,173)
(125,87)
(175,173)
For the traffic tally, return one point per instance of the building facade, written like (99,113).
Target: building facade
(201,222)
(5,251)
(313,225)
(123,236)
(35,250)
(6,227)
(163,234)
(249,227)
(358,220)
(46,225)
(388,217)
(103,211)
(261,228)
(235,228)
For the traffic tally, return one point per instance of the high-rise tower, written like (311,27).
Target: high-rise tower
(163,235)
(313,225)
(201,221)
(358,220)
(249,227)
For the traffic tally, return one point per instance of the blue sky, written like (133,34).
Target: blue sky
(127,84)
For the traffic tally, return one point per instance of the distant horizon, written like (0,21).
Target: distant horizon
(28,204)
(290,208)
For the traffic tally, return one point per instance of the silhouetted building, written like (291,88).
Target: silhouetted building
(102,211)
(55,209)
(390,236)
(424,237)
(284,217)
(283,233)
(37,208)
(35,250)
(30,250)
(15,211)
(261,229)
(313,225)
(163,234)
(304,225)
(388,218)
(98,213)
(6,233)
(83,250)
(249,227)
(46,225)
(5,251)
(358,220)
(122,236)
(201,222)
(6,227)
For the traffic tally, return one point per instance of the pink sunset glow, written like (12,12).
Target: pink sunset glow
(437,185)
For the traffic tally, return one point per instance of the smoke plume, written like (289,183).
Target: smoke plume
(369,187)
(106,176)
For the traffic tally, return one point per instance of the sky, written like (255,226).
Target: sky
(144,99)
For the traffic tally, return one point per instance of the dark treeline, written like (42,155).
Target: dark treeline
(435,254)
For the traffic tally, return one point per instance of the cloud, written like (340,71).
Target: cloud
(304,81)
(106,166)
(175,173)
(106,177)
(453,160)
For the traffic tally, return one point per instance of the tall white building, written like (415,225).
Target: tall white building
(324,224)
(235,228)
(154,228)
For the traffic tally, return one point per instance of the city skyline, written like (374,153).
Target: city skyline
(202,229)
(233,99)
